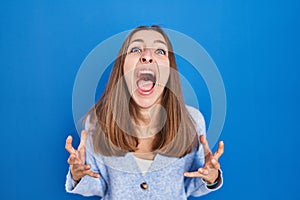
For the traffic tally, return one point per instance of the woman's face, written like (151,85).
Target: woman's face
(146,67)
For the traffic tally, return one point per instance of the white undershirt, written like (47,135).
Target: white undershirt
(143,164)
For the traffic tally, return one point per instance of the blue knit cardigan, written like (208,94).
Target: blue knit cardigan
(121,178)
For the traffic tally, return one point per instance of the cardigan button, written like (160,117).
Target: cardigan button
(144,186)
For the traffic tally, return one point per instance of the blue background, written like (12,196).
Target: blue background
(255,45)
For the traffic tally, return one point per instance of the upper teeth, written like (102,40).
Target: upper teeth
(146,72)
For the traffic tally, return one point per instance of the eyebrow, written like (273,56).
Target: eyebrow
(160,41)
(155,41)
(136,40)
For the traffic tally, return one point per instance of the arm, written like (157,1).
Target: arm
(206,175)
(84,176)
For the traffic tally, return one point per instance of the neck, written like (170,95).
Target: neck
(144,150)
(151,121)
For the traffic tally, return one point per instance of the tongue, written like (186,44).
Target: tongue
(145,85)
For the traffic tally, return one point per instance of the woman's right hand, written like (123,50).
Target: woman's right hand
(76,159)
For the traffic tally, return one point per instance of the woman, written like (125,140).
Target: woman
(140,140)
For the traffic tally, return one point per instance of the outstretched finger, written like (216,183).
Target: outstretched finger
(204,142)
(219,151)
(91,173)
(193,174)
(69,146)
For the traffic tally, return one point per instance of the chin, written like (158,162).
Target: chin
(146,101)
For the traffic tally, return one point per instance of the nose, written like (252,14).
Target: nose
(146,56)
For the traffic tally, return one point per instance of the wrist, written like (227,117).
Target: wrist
(74,183)
(215,183)
(75,178)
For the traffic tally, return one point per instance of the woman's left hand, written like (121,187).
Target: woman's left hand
(210,171)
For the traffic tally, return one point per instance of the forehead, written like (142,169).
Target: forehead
(148,36)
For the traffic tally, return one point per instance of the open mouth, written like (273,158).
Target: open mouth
(146,80)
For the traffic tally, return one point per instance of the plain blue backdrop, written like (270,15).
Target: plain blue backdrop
(255,45)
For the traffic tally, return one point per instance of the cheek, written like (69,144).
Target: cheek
(127,65)
(164,74)
(128,71)
(130,62)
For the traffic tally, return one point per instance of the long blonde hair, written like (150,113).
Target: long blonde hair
(177,137)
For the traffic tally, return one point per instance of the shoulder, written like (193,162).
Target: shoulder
(195,113)
(197,118)
(88,123)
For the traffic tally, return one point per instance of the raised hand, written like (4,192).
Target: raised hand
(76,159)
(210,171)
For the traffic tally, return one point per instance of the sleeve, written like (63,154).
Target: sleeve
(197,186)
(88,186)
